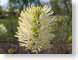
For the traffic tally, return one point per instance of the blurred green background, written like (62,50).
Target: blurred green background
(10,11)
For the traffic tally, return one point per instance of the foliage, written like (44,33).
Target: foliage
(57,6)
(20,4)
(66,20)
(61,7)
(3,31)
(10,25)
(0,10)
(60,28)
